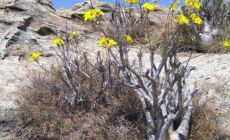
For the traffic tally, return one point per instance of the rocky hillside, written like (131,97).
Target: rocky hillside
(30,25)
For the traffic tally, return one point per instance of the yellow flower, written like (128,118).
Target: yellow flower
(193,15)
(194,4)
(107,42)
(173,7)
(59,42)
(181,19)
(34,56)
(129,39)
(196,19)
(189,3)
(74,35)
(227,44)
(92,15)
(149,6)
(197,5)
(134,2)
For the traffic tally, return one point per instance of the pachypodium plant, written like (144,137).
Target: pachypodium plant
(164,99)
(161,86)
(67,65)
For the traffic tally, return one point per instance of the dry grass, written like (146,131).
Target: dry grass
(204,124)
(103,114)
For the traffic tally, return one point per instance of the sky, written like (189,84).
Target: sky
(70,3)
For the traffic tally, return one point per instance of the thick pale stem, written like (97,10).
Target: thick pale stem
(148,115)
(183,129)
(74,92)
(164,134)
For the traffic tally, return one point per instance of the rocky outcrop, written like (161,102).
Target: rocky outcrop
(28,25)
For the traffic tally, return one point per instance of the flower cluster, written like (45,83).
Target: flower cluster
(196,19)
(149,7)
(227,44)
(58,42)
(93,15)
(182,19)
(35,56)
(129,39)
(107,42)
(194,4)
(134,2)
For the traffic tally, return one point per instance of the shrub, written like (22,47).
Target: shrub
(102,114)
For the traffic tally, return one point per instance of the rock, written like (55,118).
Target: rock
(212,78)
(25,24)
(159,16)
(79,9)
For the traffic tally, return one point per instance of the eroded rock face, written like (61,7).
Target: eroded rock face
(26,24)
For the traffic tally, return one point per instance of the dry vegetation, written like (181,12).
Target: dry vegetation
(102,114)
(203,124)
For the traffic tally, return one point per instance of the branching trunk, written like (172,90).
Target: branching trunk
(161,89)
